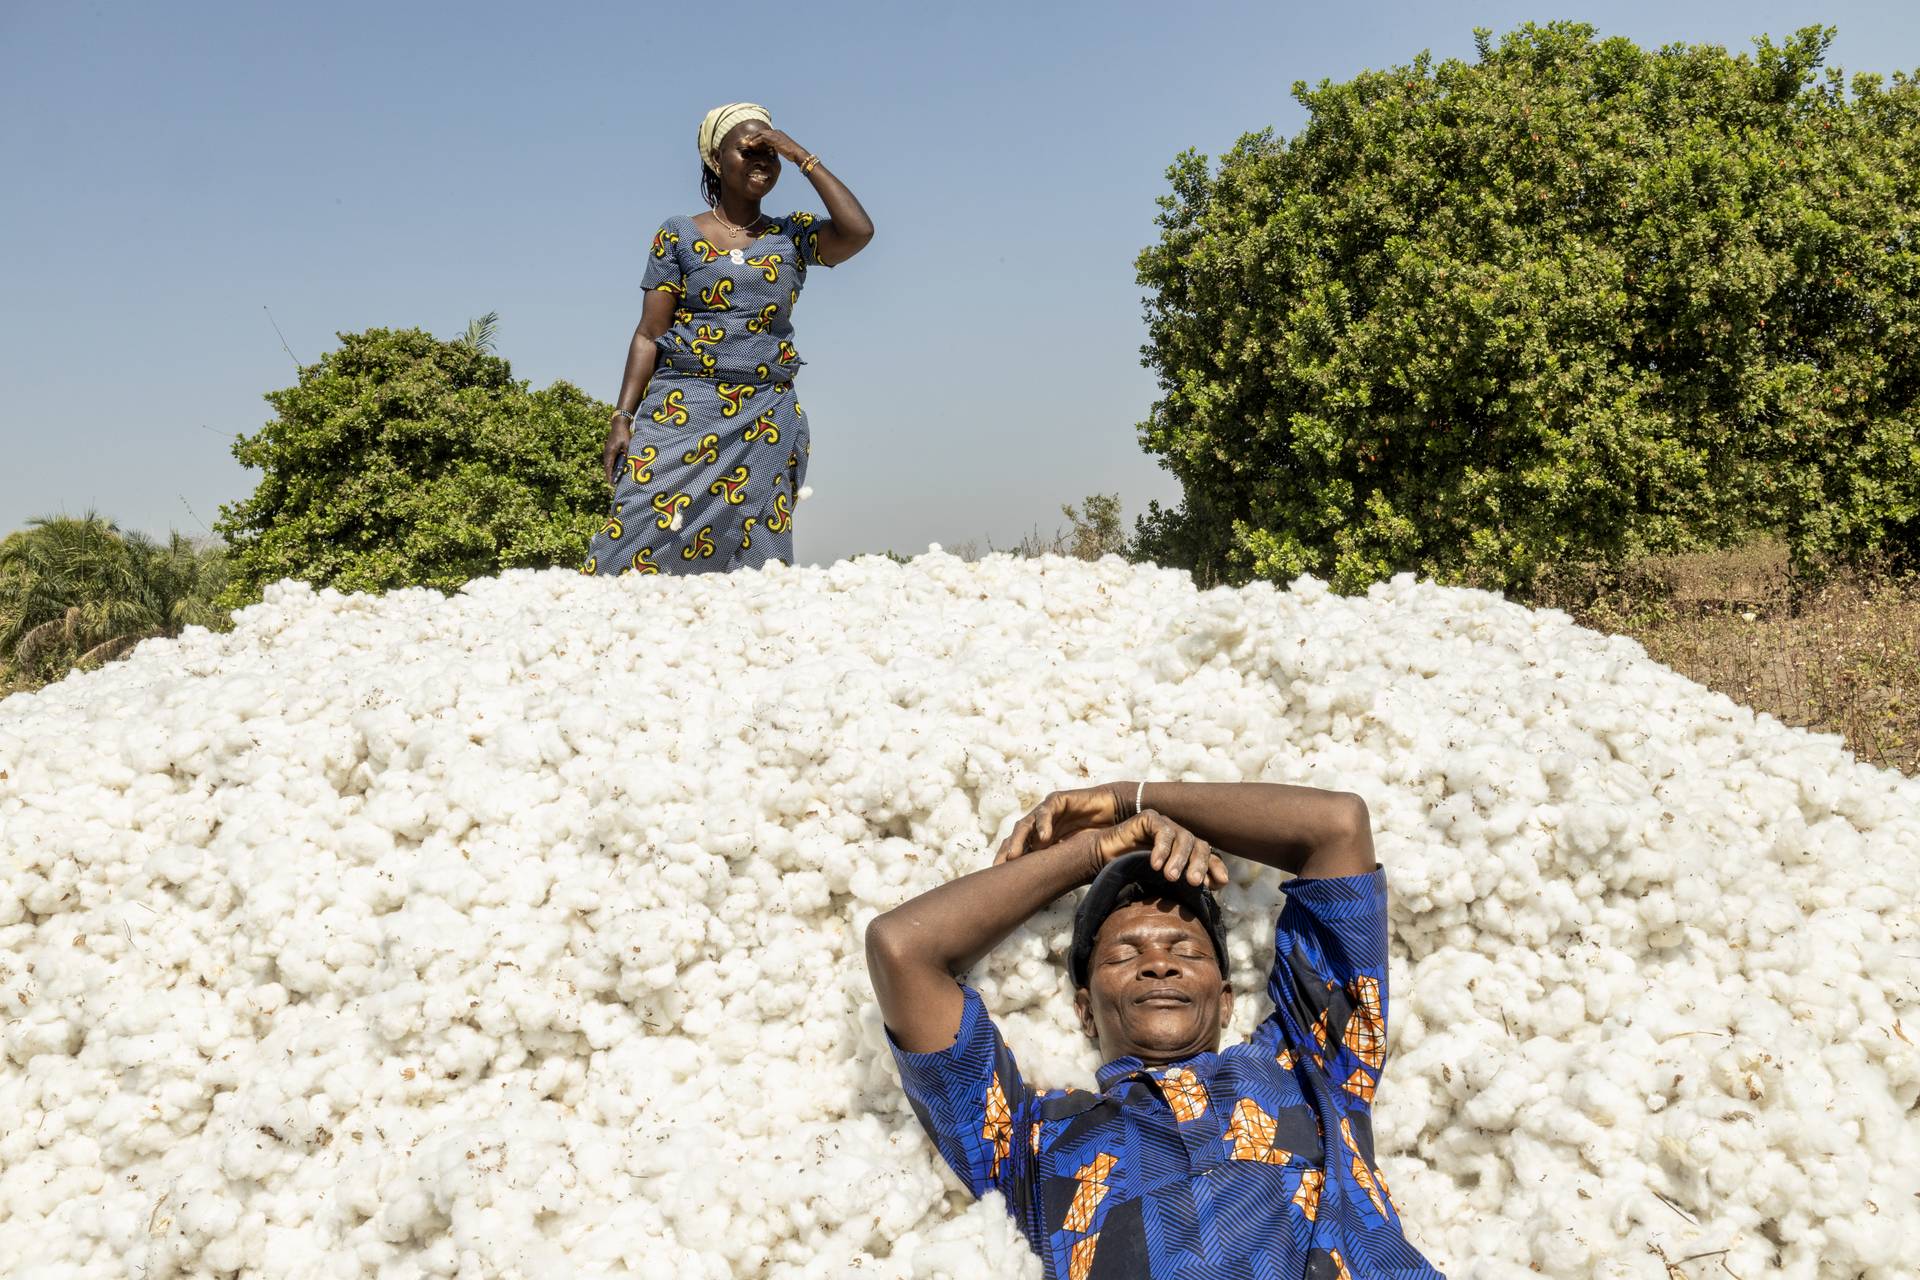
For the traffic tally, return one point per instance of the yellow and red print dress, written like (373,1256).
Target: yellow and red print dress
(720,444)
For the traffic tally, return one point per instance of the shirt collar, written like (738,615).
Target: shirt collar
(1112,1074)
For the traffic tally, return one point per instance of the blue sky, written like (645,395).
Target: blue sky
(170,171)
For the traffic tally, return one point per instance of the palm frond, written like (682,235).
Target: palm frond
(118,647)
(479,334)
(29,648)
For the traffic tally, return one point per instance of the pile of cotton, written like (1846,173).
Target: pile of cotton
(518,933)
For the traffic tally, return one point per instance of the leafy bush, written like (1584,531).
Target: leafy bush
(1573,300)
(77,592)
(1094,527)
(401,460)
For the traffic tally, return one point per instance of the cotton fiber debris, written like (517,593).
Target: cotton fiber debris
(519,933)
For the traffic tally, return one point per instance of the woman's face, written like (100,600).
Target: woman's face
(748,169)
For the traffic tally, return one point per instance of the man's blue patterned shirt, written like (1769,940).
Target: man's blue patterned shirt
(1255,1163)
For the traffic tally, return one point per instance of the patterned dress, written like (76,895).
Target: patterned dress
(720,444)
(1255,1163)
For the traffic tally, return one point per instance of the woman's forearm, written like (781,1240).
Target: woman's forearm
(849,217)
(642,355)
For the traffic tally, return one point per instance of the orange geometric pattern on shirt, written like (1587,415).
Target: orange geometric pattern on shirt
(1361,1174)
(1340,1271)
(1307,1198)
(1365,1179)
(1285,1057)
(1380,1180)
(1080,1261)
(1366,1032)
(997,1128)
(1185,1094)
(1092,1189)
(1361,1085)
(1252,1132)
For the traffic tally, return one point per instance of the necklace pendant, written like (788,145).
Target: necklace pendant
(737,257)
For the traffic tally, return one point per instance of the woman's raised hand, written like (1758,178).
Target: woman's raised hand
(779,142)
(619,435)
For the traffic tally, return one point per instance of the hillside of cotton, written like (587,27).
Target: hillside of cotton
(518,933)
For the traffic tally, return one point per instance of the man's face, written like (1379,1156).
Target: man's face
(1154,986)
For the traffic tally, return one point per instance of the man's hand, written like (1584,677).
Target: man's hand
(1060,815)
(1175,852)
(1303,831)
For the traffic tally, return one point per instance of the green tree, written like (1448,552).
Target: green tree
(401,460)
(77,592)
(1571,300)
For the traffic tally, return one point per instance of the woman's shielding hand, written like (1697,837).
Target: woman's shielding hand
(779,142)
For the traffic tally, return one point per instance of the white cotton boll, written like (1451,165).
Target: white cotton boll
(806,491)
(483,934)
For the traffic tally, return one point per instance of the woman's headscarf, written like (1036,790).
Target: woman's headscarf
(720,121)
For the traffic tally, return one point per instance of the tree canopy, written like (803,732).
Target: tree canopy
(402,460)
(1573,299)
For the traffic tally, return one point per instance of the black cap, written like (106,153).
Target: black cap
(1132,878)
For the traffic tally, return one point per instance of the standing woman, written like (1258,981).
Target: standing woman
(707,450)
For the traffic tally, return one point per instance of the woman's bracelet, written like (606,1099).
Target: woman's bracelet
(807,165)
(622,413)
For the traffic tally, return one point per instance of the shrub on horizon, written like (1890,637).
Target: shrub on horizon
(401,460)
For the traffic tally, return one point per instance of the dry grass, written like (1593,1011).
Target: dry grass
(1840,656)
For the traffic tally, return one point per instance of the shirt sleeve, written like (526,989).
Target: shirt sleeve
(1329,980)
(806,237)
(663,270)
(974,1105)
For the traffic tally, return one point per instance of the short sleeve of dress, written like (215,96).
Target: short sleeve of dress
(1329,979)
(974,1105)
(806,236)
(663,270)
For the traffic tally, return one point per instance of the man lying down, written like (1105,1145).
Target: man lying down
(1187,1161)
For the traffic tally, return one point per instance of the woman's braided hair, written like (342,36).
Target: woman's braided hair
(709,185)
